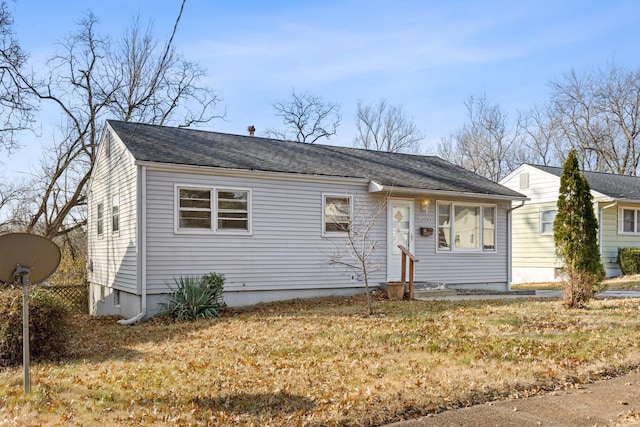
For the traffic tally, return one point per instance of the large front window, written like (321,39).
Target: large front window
(212,209)
(466,227)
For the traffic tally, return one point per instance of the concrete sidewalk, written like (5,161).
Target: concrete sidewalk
(614,402)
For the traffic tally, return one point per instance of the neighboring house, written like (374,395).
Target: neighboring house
(616,200)
(167,202)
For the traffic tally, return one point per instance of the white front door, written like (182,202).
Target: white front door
(399,232)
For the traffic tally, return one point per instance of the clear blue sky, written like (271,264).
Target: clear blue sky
(427,56)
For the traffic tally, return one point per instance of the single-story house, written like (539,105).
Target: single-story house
(166,202)
(616,201)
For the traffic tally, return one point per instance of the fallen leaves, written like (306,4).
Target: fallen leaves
(320,362)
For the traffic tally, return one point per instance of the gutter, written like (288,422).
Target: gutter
(509,242)
(375,187)
(142,243)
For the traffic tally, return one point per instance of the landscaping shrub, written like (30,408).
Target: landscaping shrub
(629,260)
(195,298)
(48,326)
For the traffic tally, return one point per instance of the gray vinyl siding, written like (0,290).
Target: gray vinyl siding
(286,250)
(464,268)
(113,255)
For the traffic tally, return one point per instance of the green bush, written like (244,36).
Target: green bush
(629,260)
(48,326)
(195,298)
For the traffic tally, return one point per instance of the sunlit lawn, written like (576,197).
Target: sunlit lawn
(624,283)
(322,362)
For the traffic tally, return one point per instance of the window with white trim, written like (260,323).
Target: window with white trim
(194,208)
(213,209)
(547,218)
(628,221)
(115,214)
(100,219)
(233,210)
(337,211)
(466,227)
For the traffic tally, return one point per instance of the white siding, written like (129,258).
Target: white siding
(286,250)
(112,256)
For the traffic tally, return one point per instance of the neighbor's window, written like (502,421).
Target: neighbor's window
(100,219)
(466,227)
(233,210)
(194,208)
(630,221)
(547,217)
(337,213)
(115,214)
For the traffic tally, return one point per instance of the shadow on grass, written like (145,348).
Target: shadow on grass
(255,403)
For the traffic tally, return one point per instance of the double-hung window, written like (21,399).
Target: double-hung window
(100,219)
(628,221)
(115,214)
(466,227)
(547,217)
(337,211)
(213,209)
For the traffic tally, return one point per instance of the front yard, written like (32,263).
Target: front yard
(322,362)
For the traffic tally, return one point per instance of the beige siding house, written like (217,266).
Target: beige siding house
(616,204)
(168,202)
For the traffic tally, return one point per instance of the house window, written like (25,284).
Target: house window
(630,221)
(209,209)
(100,219)
(115,214)
(466,227)
(489,228)
(195,208)
(337,213)
(547,217)
(233,210)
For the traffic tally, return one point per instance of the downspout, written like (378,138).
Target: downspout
(142,243)
(509,243)
(600,232)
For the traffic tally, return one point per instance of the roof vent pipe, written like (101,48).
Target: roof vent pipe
(252,130)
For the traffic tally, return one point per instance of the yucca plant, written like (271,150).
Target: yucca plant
(194,298)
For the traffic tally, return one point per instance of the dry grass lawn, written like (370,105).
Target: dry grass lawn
(322,362)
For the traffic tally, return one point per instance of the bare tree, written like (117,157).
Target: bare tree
(543,138)
(358,252)
(600,117)
(306,117)
(384,127)
(484,144)
(91,78)
(16,108)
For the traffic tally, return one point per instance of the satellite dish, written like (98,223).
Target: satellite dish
(27,258)
(39,254)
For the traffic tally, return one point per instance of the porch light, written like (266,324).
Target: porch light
(425,205)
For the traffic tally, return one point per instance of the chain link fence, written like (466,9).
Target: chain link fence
(74,297)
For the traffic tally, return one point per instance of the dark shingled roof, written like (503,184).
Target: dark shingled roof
(182,146)
(609,184)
